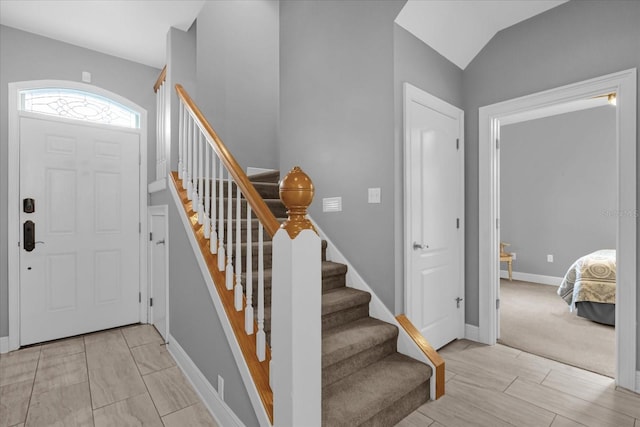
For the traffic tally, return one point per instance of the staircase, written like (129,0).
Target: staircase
(365,381)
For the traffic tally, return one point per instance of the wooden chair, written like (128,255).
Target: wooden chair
(506,257)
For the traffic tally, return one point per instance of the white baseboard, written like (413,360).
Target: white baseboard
(535,278)
(4,344)
(471,332)
(637,381)
(223,415)
(156,186)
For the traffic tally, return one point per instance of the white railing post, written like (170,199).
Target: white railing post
(207,192)
(200,180)
(221,252)
(190,159)
(296,336)
(248,310)
(261,337)
(229,267)
(213,241)
(238,261)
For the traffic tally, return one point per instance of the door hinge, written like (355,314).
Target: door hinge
(139,297)
(497,222)
(150,237)
(457,143)
(457,222)
(150,302)
(139,158)
(498,304)
(139,227)
(497,143)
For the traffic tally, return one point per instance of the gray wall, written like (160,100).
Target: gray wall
(418,64)
(26,56)
(337,123)
(195,323)
(181,68)
(572,42)
(237,75)
(557,183)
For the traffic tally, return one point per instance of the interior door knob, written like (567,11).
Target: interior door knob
(417,246)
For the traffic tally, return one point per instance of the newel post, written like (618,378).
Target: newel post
(296,314)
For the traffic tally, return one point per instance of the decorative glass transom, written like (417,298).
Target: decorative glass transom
(78,105)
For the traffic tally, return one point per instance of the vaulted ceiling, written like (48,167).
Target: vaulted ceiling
(137,29)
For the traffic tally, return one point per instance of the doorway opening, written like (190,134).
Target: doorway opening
(557,173)
(623,84)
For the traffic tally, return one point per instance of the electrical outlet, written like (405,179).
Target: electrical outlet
(513,256)
(221,387)
(549,258)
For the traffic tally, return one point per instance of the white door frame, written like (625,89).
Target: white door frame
(437,104)
(623,83)
(13,202)
(159,210)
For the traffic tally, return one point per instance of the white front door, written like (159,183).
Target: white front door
(83,273)
(158,269)
(434,239)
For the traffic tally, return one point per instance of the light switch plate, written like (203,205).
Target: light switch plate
(374,195)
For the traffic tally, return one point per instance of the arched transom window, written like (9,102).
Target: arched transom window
(78,105)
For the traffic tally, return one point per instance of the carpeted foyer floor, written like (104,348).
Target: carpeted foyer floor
(535,319)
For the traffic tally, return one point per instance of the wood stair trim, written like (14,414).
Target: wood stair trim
(259,207)
(259,370)
(161,79)
(428,350)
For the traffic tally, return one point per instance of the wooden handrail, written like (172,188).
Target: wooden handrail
(430,352)
(254,199)
(161,78)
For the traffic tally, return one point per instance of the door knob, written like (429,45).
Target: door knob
(417,246)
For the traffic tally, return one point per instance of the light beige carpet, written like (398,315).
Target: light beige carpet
(536,320)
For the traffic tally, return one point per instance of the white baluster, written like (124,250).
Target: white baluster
(199,176)
(190,159)
(195,189)
(185,139)
(229,266)
(238,261)
(221,251)
(180,138)
(207,197)
(213,241)
(248,311)
(261,338)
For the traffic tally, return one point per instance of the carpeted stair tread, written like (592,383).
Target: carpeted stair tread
(372,393)
(268,190)
(349,339)
(269,176)
(339,299)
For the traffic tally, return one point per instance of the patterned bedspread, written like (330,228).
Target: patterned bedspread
(591,278)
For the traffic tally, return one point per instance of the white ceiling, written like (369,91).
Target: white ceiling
(137,29)
(129,29)
(459,29)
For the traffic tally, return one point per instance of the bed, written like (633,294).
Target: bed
(589,287)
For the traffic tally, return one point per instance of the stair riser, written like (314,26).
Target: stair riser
(265,189)
(338,318)
(339,370)
(275,206)
(395,413)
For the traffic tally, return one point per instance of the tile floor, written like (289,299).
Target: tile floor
(121,377)
(501,386)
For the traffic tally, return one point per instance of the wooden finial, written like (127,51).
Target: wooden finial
(296,192)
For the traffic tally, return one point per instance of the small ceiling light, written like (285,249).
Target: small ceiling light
(611,98)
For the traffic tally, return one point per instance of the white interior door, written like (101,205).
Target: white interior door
(83,274)
(434,216)
(158,270)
